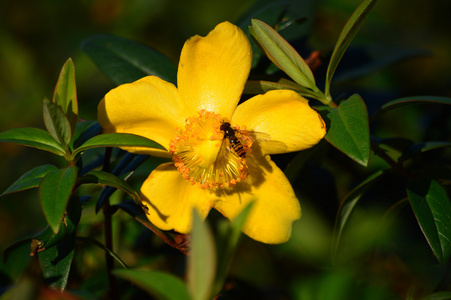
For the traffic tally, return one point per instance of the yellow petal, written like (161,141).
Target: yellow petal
(149,107)
(170,199)
(213,70)
(286,117)
(275,205)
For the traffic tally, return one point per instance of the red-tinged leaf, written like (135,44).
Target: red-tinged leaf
(65,94)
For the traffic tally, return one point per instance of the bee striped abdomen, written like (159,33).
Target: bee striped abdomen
(234,142)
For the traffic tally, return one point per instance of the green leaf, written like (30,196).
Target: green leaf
(56,123)
(347,207)
(283,55)
(32,137)
(56,262)
(56,251)
(83,132)
(103,247)
(348,33)
(262,86)
(47,238)
(110,180)
(54,193)
(118,140)
(410,101)
(348,129)
(125,61)
(65,94)
(201,260)
(161,285)
(29,180)
(432,208)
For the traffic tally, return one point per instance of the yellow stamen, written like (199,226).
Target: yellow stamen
(202,154)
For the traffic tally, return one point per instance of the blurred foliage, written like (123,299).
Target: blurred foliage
(383,254)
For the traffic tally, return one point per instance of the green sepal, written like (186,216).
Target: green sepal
(29,180)
(348,129)
(32,137)
(56,123)
(159,284)
(432,208)
(347,34)
(65,94)
(55,191)
(125,61)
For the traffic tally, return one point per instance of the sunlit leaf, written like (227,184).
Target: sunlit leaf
(283,55)
(54,193)
(118,140)
(348,129)
(201,260)
(56,122)
(409,101)
(156,283)
(110,180)
(348,204)
(65,94)
(29,180)
(125,61)
(32,137)
(347,34)
(432,208)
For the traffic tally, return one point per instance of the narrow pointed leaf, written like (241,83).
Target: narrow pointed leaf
(29,180)
(348,204)
(65,94)
(83,132)
(432,208)
(54,193)
(156,283)
(348,33)
(348,129)
(201,260)
(118,140)
(125,61)
(32,137)
(104,248)
(283,55)
(409,101)
(110,180)
(56,123)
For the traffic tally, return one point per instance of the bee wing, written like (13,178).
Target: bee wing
(259,136)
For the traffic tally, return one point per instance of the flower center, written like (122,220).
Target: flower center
(210,152)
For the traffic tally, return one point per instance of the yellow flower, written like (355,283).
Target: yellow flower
(215,164)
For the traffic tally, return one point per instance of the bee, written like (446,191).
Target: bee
(234,141)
